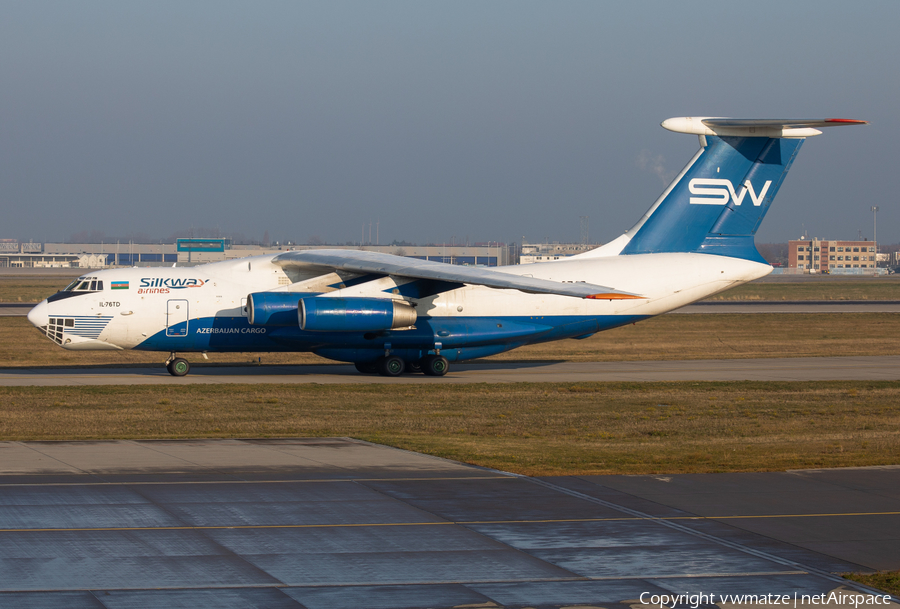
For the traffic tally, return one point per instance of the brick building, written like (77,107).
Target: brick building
(819,256)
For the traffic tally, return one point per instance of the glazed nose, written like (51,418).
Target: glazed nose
(39,316)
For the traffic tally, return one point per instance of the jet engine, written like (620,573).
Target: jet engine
(272,308)
(355,314)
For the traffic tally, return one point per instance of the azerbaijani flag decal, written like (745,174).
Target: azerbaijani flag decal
(119,285)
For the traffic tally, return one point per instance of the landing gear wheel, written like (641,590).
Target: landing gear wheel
(414,366)
(435,365)
(366,367)
(391,366)
(178,367)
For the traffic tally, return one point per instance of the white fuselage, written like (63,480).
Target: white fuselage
(202,308)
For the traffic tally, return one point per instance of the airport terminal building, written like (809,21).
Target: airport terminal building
(547,252)
(189,252)
(821,256)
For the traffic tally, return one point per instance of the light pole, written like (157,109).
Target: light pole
(875,231)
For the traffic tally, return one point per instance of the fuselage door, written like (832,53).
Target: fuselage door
(177,318)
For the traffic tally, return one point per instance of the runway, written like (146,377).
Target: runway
(15,309)
(336,523)
(874,368)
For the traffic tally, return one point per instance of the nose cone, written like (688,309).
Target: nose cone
(40,315)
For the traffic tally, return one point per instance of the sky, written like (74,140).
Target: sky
(465,121)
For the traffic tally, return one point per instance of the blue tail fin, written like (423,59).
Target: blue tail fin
(719,200)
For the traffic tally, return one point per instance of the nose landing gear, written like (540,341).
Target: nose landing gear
(177,366)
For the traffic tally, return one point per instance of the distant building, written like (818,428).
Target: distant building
(546,252)
(20,255)
(101,255)
(189,252)
(819,256)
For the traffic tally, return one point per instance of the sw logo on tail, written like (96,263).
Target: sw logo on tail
(719,196)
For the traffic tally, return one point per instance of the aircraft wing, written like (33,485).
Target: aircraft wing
(364,262)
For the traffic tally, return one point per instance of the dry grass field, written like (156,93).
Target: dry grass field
(889,581)
(863,288)
(536,429)
(30,288)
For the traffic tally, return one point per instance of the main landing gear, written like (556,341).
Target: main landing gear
(435,365)
(177,366)
(392,365)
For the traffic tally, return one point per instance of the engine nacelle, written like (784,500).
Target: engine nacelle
(272,308)
(354,314)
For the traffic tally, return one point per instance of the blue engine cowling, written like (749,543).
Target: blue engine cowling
(272,308)
(355,314)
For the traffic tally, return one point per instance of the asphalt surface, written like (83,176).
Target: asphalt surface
(874,368)
(15,309)
(338,523)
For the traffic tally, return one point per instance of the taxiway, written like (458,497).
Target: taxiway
(339,523)
(862,368)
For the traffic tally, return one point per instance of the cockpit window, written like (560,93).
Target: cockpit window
(84,284)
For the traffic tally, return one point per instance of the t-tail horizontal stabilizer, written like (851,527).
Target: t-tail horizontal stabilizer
(755,127)
(719,199)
